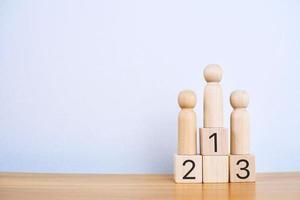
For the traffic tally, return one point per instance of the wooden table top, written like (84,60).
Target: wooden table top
(27,186)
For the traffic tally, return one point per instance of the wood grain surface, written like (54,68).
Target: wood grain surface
(27,186)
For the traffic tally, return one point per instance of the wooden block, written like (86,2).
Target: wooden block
(214,141)
(239,123)
(215,169)
(242,168)
(188,168)
(187,126)
(213,97)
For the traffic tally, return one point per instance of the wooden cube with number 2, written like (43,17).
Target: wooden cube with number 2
(188,168)
(214,141)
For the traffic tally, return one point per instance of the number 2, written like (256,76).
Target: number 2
(193,166)
(243,168)
(215,140)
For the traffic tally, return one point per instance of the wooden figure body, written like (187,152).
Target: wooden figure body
(239,123)
(187,126)
(213,97)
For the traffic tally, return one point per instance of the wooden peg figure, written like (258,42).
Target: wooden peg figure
(187,127)
(239,123)
(213,97)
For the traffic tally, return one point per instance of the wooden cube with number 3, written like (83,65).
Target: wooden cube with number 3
(214,141)
(242,168)
(188,168)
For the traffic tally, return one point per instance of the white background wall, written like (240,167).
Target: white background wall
(91,86)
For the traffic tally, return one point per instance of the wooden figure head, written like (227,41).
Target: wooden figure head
(239,99)
(187,99)
(213,73)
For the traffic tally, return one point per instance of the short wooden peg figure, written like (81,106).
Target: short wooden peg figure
(239,123)
(187,127)
(241,162)
(187,164)
(213,97)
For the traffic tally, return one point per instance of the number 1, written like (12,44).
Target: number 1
(215,140)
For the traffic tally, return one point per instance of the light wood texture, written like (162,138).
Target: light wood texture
(188,169)
(239,123)
(215,169)
(187,125)
(213,97)
(20,186)
(242,168)
(214,141)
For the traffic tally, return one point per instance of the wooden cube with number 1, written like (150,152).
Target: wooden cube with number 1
(214,141)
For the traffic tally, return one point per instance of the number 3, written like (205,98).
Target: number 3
(244,168)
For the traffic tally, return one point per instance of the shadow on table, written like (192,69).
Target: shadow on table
(222,191)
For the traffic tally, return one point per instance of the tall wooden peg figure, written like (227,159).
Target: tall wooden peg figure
(187,126)
(213,136)
(187,165)
(213,97)
(242,163)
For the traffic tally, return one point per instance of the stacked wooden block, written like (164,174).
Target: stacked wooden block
(213,164)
